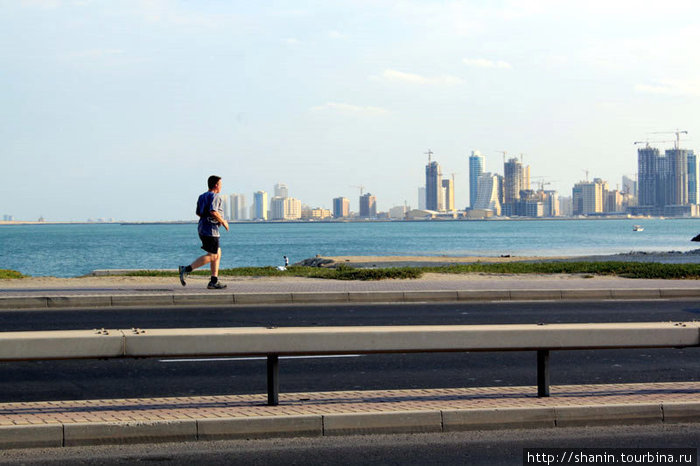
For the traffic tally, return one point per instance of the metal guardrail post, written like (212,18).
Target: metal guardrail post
(273,381)
(542,373)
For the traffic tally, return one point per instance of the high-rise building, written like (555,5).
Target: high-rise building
(226,205)
(260,205)
(433,177)
(448,193)
(341,207)
(648,172)
(629,186)
(693,187)
(281,190)
(285,208)
(551,205)
(513,180)
(238,207)
(292,208)
(587,197)
(421,198)
(487,197)
(277,208)
(368,206)
(676,185)
(476,169)
(612,201)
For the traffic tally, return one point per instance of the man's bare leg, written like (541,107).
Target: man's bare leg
(204,260)
(214,264)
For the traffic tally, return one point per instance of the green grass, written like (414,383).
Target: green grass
(4,274)
(619,269)
(343,272)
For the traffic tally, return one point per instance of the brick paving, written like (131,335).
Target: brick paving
(320,403)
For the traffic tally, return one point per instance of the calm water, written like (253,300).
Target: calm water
(73,250)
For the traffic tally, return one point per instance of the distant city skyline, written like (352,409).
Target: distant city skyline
(123,109)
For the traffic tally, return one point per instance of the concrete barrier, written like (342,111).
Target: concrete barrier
(61,344)
(609,415)
(203,299)
(31,436)
(260,427)
(99,433)
(504,418)
(168,299)
(320,297)
(262,298)
(275,342)
(380,423)
(681,412)
(143,300)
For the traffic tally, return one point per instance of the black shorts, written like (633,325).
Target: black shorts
(210,244)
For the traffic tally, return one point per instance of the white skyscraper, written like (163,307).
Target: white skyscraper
(487,195)
(476,168)
(238,207)
(281,190)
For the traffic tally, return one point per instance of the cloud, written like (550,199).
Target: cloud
(484,63)
(670,87)
(412,78)
(349,109)
(291,41)
(336,35)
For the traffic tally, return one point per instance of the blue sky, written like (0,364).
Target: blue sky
(122,109)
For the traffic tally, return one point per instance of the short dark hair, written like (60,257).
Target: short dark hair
(211,182)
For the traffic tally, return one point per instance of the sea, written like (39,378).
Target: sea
(70,250)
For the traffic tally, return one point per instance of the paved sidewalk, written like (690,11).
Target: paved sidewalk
(86,422)
(126,291)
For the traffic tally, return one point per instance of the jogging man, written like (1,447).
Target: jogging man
(211,214)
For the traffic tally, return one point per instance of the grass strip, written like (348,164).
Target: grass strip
(344,272)
(619,269)
(5,274)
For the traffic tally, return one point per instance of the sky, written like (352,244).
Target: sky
(123,109)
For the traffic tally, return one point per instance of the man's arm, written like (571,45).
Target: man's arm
(219,218)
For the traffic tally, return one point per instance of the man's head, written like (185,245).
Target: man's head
(213,181)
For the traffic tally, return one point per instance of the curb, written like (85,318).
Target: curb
(189,299)
(397,422)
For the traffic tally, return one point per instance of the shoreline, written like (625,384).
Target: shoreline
(669,257)
(343,220)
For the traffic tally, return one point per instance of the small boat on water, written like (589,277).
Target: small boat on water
(637,228)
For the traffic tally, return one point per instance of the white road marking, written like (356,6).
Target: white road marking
(263,358)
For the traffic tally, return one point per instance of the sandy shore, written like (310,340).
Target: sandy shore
(417,261)
(669,257)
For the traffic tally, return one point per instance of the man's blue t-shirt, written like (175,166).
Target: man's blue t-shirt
(209,226)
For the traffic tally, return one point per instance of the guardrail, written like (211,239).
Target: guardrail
(275,342)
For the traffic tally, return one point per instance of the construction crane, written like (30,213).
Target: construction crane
(504,155)
(430,156)
(586,171)
(647,142)
(677,132)
(542,183)
(361,187)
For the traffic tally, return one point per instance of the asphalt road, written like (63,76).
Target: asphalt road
(59,380)
(492,448)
